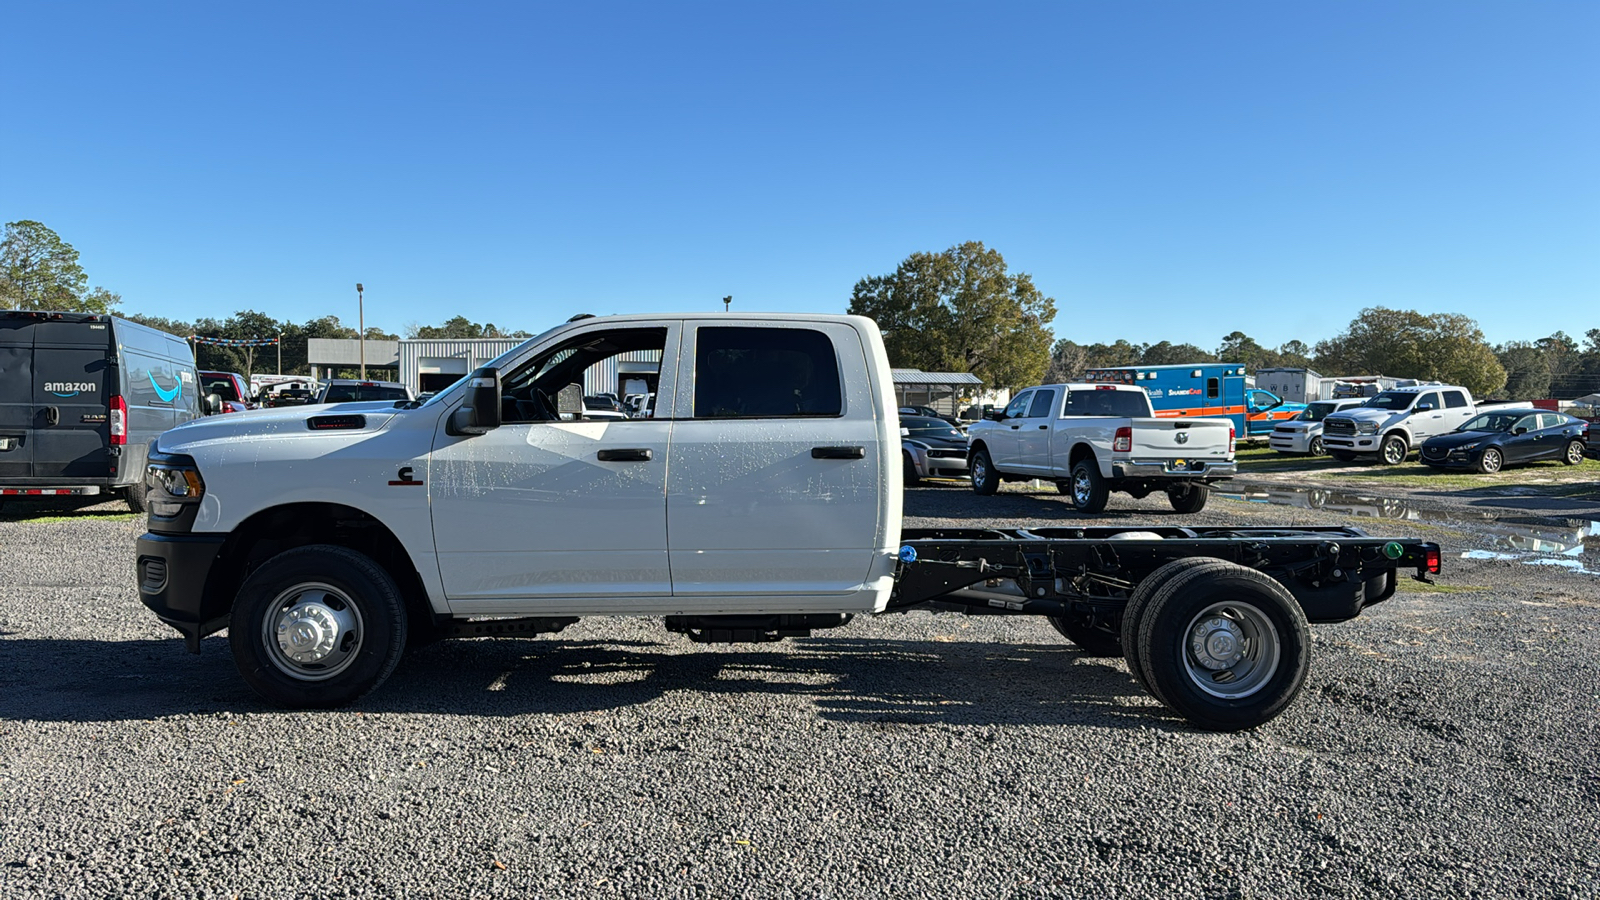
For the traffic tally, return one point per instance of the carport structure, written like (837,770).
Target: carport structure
(940,390)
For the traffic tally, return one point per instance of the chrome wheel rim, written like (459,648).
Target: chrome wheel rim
(1491,460)
(312,631)
(1231,650)
(1316,446)
(980,471)
(1393,452)
(1574,453)
(1080,487)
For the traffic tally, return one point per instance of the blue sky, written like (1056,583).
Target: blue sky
(1164,170)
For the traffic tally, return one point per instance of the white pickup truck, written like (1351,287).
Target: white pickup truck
(1397,421)
(1092,439)
(761,500)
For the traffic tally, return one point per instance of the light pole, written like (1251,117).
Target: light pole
(280,353)
(727,303)
(361,325)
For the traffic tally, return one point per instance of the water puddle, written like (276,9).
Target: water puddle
(1544,542)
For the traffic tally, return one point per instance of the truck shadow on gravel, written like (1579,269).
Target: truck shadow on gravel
(878,683)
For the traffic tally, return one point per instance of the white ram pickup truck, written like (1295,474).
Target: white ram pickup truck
(1092,439)
(760,500)
(1397,421)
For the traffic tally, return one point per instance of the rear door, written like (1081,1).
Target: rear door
(775,480)
(16,398)
(71,386)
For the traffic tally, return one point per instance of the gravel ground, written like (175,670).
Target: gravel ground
(1444,746)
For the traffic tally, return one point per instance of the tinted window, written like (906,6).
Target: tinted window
(1392,400)
(746,373)
(1018,405)
(1126,404)
(1316,412)
(1454,400)
(350,393)
(922,426)
(1042,401)
(1429,398)
(1552,420)
(1212,388)
(1526,423)
(1497,422)
(222,386)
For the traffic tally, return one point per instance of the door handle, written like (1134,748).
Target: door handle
(1015,427)
(838,453)
(638,454)
(52,415)
(1044,427)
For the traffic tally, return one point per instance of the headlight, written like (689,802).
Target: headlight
(1366,428)
(1471,446)
(173,482)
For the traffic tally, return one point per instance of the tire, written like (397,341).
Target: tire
(1188,498)
(911,478)
(344,600)
(1574,454)
(1393,450)
(1342,455)
(1227,648)
(985,480)
(1089,491)
(1315,448)
(135,495)
(1491,460)
(1139,601)
(1092,641)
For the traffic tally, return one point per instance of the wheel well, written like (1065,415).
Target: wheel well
(972,450)
(272,531)
(1080,452)
(1401,432)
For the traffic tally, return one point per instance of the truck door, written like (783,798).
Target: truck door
(553,511)
(775,481)
(1425,423)
(1003,441)
(1033,435)
(16,398)
(71,396)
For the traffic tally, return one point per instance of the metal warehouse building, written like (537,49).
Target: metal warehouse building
(433,364)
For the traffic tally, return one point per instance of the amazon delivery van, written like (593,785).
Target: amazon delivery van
(81,397)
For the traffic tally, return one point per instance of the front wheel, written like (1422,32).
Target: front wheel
(1574,454)
(1393,451)
(911,478)
(1092,641)
(1188,498)
(1316,446)
(1089,490)
(985,480)
(317,627)
(1225,646)
(1491,461)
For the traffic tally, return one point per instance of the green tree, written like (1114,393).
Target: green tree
(1405,343)
(1527,370)
(1294,353)
(961,311)
(1166,353)
(1239,347)
(40,271)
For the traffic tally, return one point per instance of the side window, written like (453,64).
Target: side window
(1042,401)
(1430,397)
(1213,388)
(1551,420)
(765,373)
(1454,400)
(1018,406)
(1526,423)
(551,386)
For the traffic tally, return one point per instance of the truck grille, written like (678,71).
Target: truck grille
(947,454)
(1338,427)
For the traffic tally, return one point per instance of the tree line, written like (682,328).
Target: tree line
(959,310)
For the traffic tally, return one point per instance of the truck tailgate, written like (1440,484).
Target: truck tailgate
(1168,438)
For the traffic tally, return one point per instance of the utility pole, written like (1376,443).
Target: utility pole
(280,353)
(361,324)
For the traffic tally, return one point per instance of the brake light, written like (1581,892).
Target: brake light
(1230,440)
(1105,387)
(1123,441)
(1431,557)
(119,421)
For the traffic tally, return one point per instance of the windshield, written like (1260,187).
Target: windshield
(222,386)
(922,427)
(347,393)
(1492,422)
(1392,400)
(1316,412)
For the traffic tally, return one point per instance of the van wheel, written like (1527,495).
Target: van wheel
(317,627)
(1316,446)
(1089,490)
(1133,613)
(985,480)
(1188,498)
(911,478)
(1393,451)
(1092,641)
(1225,646)
(135,495)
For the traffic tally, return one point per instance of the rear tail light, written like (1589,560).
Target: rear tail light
(1123,441)
(1431,556)
(1230,440)
(119,421)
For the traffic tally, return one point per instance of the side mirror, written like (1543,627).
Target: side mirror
(995,415)
(481,413)
(213,404)
(1519,430)
(1424,407)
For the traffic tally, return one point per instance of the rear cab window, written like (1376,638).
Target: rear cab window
(1454,400)
(1121,404)
(765,373)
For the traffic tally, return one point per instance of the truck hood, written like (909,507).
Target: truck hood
(283,422)
(1363,414)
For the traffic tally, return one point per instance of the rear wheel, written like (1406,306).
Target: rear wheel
(1342,455)
(1092,641)
(911,478)
(134,494)
(1225,647)
(317,627)
(1491,461)
(1574,454)
(1188,498)
(1089,490)
(1393,450)
(1139,601)
(1316,446)
(985,480)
